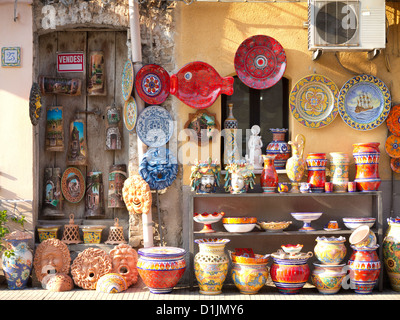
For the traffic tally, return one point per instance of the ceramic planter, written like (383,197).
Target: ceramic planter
(330,251)
(316,164)
(328,278)
(47,232)
(366,157)
(92,234)
(391,252)
(279,148)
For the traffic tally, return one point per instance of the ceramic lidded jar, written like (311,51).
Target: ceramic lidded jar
(316,165)
(391,252)
(366,157)
(339,171)
(330,251)
(328,278)
(269,176)
(279,148)
(296,165)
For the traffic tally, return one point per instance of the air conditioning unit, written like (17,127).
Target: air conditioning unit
(342,25)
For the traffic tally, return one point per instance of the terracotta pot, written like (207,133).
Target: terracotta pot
(279,148)
(269,176)
(366,157)
(391,252)
(316,165)
(328,278)
(330,251)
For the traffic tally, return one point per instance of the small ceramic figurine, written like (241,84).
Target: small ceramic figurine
(205,176)
(239,176)
(255,148)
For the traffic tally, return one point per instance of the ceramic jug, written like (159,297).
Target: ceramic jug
(279,147)
(296,166)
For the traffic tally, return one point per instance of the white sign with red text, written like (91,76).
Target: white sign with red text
(70,62)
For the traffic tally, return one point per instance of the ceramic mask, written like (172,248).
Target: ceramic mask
(136,194)
(124,259)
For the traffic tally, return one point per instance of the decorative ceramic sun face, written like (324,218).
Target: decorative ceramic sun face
(124,260)
(136,194)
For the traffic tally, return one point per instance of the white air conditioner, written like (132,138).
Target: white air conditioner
(335,25)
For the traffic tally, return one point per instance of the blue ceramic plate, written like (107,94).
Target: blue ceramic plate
(364,102)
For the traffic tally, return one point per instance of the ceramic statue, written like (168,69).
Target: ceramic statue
(255,148)
(316,165)
(94,196)
(205,176)
(54,129)
(328,278)
(53,199)
(116,178)
(239,177)
(296,165)
(279,148)
(269,176)
(391,252)
(366,157)
(49,85)
(124,260)
(339,171)
(136,194)
(96,80)
(330,251)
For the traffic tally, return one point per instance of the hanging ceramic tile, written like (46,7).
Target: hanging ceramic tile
(49,85)
(113,128)
(52,198)
(96,81)
(55,129)
(77,151)
(94,195)
(116,179)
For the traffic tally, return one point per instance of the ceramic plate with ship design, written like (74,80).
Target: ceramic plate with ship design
(313,101)
(364,102)
(127,80)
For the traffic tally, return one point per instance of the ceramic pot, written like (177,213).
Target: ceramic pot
(17,268)
(296,165)
(362,237)
(316,165)
(391,252)
(330,251)
(279,148)
(339,171)
(364,267)
(328,278)
(211,265)
(269,176)
(161,267)
(249,274)
(366,157)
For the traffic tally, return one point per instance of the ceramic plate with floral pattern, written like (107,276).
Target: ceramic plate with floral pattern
(152,84)
(130,114)
(392,146)
(73,185)
(313,101)
(393,120)
(364,102)
(127,80)
(395,164)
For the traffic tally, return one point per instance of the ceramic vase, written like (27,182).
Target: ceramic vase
(330,251)
(161,268)
(328,278)
(231,152)
(269,176)
(366,157)
(339,171)
(365,267)
(296,165)
(316,165)
(279,148)
(211,265)
(391,252)
(17,268)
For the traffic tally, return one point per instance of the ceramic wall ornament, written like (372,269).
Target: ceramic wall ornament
(204,124)
(116,178)
(392,146)
(255,148)
(17,267)
(73,185)
(52,256)
(330,251)
(71,232)
(111,283)
(239,177)
(96,73)
(269,176)
(49,85)
(158,168)
(136,194)
(77,148)
(89,266)
(316,165)
(35,104)
(393,120)
(231,151)
(366,157)
(55,129)
(205,176)
(279,148)
(296,165)
(113,128)
(328,278)
(130,113)
(339,171)
(124,262)
(11,57)
(52,195)
(127,80)
(391,252)
(94,201)
(116,234)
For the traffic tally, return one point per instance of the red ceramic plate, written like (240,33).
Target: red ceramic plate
(260,62)
(393,120)
(152,84)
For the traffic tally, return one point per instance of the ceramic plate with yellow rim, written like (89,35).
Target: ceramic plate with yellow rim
(312,101)
(130,114)
(392,146)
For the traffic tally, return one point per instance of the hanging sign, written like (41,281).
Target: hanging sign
(70,62)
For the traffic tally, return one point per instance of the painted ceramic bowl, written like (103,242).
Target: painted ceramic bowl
(353,223)
(92,233)
(207,219)
(257,259)
(274,226)
(306,217)
(292,249)
(362,237)
(239,224)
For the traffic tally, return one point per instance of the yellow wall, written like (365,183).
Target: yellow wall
(212,32)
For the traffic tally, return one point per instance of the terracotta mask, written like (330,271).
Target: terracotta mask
(124,259)
(136,194)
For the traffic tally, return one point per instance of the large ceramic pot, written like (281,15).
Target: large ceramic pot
(211,265)
(330,251)
(339,171)
(366,157)
(328,278)
(279,148)
(364,267)
(316,165)
(391,252)
(269,176)
(161,267)
(290,273)
(249,274)
(296,165)
(17,267)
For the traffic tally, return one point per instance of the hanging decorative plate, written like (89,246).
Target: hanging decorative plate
(395,164)
(73,185)
(158,168)
(152,84)
(127,80)
(154,126)
(260,62)
(392,146)
(35,104)
(393,120)
(198,85)
(364,102)
(130,114)
(313,101)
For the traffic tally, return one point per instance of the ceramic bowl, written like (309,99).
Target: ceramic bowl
(306,216)
(257,259)
(239,227)
(208,217)
(353,223)
(274,226)
(239,220)
(292,249)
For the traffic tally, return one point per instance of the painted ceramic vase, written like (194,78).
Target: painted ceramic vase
(279,148)
(17,268)
(366,157)
(365,267)
(328,278)
(211,265)
(296,165)
(249,274)
(391,252)
(316,165)
(330,251)
(231,151)
(161,268)
(339,171)
(269,176)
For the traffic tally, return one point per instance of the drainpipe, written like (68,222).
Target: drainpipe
(136,51)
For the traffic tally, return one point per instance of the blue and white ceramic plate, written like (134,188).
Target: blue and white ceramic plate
(154,126)
(364,102)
